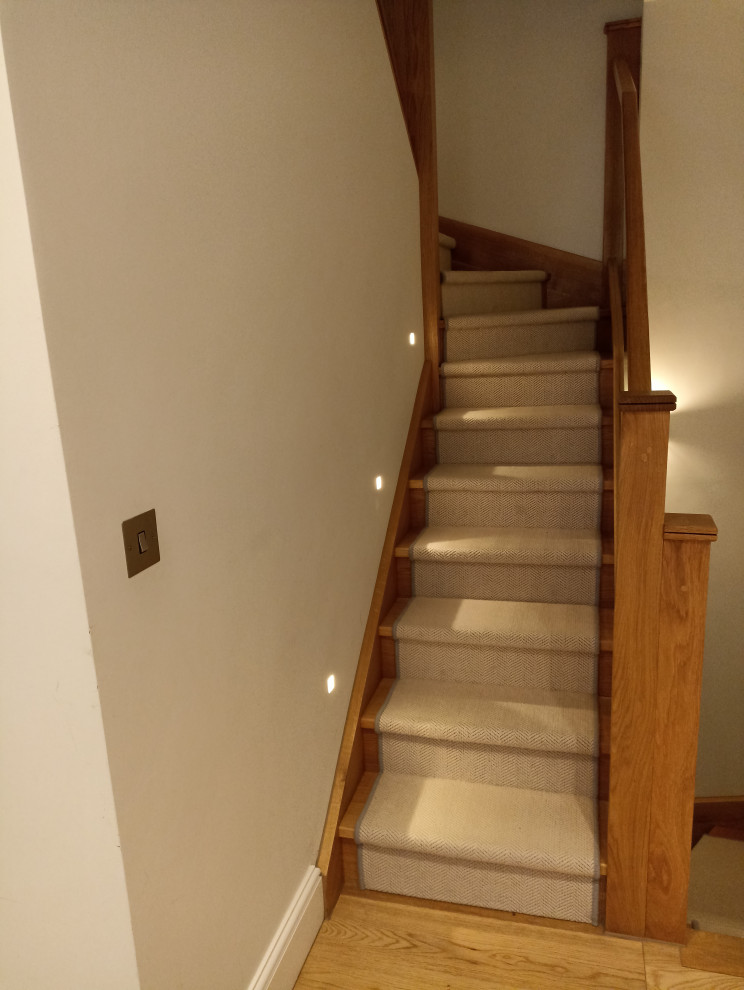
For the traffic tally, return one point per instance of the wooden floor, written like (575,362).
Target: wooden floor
(378,943)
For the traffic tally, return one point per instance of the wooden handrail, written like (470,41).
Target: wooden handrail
(639,356)
(618,357)
(624,80)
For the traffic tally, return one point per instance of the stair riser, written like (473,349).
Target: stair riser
(552,510)
(445,259)
(497,297)
(494,342)
(536,446)
(570,898)
(483,764)
(577,388)
(547,670)
(506,582)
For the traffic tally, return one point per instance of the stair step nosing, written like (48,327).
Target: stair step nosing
(571,745)
(522,318)
(579,739)
(567,417)
(552,479)
(500,626)
(570,362)
(538,547)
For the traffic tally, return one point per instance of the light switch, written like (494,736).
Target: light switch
(141,546)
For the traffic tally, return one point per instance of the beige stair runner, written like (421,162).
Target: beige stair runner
(488,738)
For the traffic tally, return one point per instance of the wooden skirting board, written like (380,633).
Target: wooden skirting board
(574,279)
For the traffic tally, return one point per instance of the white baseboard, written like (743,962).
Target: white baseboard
(294,937)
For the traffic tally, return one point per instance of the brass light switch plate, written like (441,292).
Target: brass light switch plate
(141,542)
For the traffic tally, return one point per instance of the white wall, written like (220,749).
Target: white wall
(520,116)
(224,214)
(64,916)
(693,159)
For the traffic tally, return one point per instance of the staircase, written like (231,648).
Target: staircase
(482,741)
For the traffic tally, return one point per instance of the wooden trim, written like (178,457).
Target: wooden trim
(685,525)
(350,766)
(408,27)
(713,953)
(624,82)
(574,279)
(684,588)
(661,401)
(638,548)
(631,24)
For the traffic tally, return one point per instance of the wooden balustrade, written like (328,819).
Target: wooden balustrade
(661,568)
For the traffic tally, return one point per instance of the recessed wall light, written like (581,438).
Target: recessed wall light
(412,339)
(378,482)
(331,683)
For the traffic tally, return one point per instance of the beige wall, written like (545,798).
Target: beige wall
(225,220)
(64,916)
(693,158)
(520,116)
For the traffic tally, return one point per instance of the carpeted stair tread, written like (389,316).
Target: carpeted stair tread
(454,819)
(519,318)
(520,418)
(517,625)
(447,242)
(522,380)
(518,330)
(522,644)
(515,717)
(514,478)
(524,495)
(488,737)
(493,545)
(486,277)
(523,364)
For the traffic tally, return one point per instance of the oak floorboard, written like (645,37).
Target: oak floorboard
(389,946)
(664,971)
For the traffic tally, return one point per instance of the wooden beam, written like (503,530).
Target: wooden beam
(684,587)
